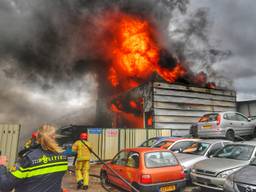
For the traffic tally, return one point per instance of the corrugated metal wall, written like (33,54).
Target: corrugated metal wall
(248,108)
(9,139)
(177,106)
(107,142)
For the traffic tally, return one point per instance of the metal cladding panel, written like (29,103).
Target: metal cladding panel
(194,89)
(9,134)
(247,108)
(176,106)
(189,100)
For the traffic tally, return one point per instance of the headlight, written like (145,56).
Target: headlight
(229,183)
(193,170)
(224,174)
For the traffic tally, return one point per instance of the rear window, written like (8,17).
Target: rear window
(163,144)
(149,142)
(209,118)
(160,159)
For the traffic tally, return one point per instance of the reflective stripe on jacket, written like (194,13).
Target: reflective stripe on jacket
(83,152)
(37,171)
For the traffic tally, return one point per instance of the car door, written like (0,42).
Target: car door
(131,171)
(245,127)
(214,148)
(231,122)
(118,164)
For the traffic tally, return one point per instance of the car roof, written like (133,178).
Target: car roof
(145,149)
(253,143)
(212,141)
(174,139)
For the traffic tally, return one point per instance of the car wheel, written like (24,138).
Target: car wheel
(104,178)
(230,135)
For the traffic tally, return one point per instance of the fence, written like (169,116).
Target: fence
(9,138)
(107,142)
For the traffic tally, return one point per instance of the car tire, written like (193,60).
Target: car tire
(104,178)
(230,135)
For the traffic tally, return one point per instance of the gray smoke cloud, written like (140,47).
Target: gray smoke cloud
(233,28)
(51,53)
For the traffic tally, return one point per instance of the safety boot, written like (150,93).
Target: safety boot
(80,184)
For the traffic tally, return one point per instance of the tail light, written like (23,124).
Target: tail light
(218,119)
(146,179)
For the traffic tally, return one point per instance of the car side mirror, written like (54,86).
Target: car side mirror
(249,119)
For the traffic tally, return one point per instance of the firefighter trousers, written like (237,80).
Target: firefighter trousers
(82,171)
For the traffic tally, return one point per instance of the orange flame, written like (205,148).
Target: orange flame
(135,54)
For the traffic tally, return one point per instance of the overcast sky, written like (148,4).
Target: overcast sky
(234,28)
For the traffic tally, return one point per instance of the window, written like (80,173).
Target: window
(120,158)
(241,118)
(230,116)
(237,152)
(149,142)
(133,160)
(216,147)
(196,148)
(160,159)
(163,144)
(209,118)
(181,145)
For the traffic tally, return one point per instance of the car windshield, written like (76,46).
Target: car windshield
(191,147)
(149,142)
(237,152)
(160,159)
(163,144)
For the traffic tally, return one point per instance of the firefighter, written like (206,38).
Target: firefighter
(31,143)
(82,164)
(40,169)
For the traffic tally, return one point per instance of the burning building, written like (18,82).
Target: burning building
(140,82)
(172,106)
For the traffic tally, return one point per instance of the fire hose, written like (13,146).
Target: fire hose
(112,170)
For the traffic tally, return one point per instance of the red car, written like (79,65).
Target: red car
(147,169)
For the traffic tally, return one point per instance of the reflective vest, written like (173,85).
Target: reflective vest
(37,171)
(82,151)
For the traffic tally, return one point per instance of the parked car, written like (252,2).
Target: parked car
(191,152)
(153,141)
(147,169)
(224,124)
(242,180)
(212,173)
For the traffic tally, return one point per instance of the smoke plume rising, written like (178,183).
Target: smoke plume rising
(52,53)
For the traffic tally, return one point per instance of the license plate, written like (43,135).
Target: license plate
(168,188)
(207,126)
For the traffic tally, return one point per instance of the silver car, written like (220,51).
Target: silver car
(224,124)
(191,152)
(212,173)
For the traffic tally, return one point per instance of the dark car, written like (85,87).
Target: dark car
(242,180)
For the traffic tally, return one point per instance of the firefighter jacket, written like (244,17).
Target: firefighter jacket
(83,153)
(37,171)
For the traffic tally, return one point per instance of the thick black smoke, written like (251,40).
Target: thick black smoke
(51,53)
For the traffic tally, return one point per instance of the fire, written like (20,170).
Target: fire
(135,54)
